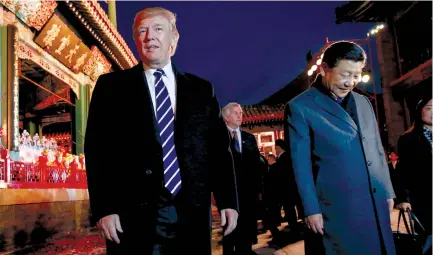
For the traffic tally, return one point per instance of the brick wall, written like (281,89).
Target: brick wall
(26,224)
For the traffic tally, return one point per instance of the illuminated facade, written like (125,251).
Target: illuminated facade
(52,53)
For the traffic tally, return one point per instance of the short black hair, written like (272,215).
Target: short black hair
(280,143)
(418,122)
(343,50)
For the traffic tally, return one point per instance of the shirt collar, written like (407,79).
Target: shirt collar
(168,71)
(231,129)
(322,88)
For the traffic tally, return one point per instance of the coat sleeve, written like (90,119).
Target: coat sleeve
(300,150)
(101,172)
(387,184)
(223,179)
(256,164)
(403,171)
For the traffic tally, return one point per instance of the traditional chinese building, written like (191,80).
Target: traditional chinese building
(52,53)
(265,122)
(404,54)
(266,118)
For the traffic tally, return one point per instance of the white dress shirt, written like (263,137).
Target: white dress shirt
(238,133)
(170,83)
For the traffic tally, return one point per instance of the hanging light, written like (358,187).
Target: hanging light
(314,68)
(365,78)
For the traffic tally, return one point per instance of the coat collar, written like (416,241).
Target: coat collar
(182,83)
(325,102)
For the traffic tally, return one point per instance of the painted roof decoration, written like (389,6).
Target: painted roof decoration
(94,18)
(255,114)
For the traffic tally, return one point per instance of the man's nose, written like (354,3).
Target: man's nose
(149,35)
(350,82)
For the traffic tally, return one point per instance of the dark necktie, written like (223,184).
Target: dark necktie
(165,117)
(236,141)
(339,100)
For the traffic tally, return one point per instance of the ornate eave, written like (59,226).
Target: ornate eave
(96,21)
(33,13)
(262,114)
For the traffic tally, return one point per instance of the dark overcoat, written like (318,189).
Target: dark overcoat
(414,178)
(124,159)
(341,172)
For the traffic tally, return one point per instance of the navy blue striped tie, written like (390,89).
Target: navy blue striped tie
(236,141)
(165,117)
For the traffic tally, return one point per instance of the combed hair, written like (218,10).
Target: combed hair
(158,11)
(226,109)
(343,50)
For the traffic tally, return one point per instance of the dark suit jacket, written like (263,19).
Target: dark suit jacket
(124,158)
(248,175)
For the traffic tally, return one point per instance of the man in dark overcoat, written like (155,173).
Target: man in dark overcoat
(339,161)
(155,136)
(246,157)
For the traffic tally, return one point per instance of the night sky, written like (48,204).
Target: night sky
(248,50)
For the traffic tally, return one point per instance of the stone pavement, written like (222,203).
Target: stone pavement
(296,248)
(91,243)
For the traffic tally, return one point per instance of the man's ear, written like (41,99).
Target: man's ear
(324,68)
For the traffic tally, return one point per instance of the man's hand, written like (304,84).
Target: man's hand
(315,223)
(108,226)
(230,217)
(405,206)
(390,205)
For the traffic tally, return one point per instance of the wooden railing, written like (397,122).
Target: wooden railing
(41,175)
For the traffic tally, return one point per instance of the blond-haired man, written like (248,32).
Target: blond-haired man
(170,165)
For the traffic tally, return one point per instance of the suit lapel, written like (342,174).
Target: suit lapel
(142,89)
(182,95)
(361,114)
(333,108)
(243,140)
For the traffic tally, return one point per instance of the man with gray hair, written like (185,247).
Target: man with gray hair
(246,158)
(181,154)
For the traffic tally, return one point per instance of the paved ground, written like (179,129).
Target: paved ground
(90,243)
(294,248)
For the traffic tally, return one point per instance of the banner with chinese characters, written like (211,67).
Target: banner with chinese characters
(59,40)
(34,13)
(97,64)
